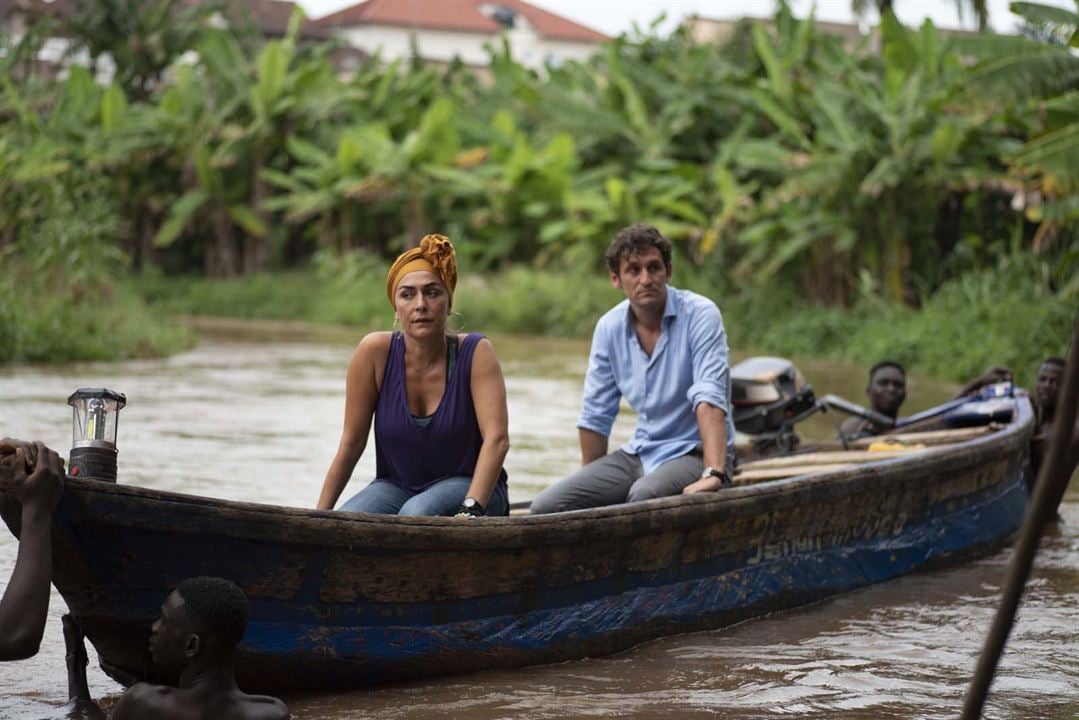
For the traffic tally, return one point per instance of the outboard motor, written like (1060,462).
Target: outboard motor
(770,395)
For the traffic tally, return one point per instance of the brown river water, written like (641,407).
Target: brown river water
(254,413)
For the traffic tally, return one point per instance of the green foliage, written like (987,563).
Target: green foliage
(42,319)
(525,301)
(353,292)
(781,163)
(796,162)
(1003,315)
(972,323)
(141,38)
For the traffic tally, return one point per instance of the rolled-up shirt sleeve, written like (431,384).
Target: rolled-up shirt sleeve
(710,358)
(599,402)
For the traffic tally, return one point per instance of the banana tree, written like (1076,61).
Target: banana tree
(215,195)
(504,194)
(57,212)
(1034,82)
(370,170)
(872,152)
(230,128)
(326,187)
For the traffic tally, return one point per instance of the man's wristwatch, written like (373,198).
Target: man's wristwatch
(721,473)
(470,508)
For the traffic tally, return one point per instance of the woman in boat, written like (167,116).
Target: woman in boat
(437,399)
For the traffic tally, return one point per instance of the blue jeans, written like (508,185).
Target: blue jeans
(442,498)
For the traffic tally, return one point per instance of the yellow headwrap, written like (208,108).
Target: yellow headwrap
(435,254)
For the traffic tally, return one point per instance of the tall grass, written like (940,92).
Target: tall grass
(1001,316)
(518,300)
(45,321)
(1005,315)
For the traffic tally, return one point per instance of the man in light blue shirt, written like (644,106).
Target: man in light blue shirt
(665,351)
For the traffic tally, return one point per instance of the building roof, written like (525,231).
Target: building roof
(460,15)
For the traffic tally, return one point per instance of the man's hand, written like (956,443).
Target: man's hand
(38,476)
(705,484)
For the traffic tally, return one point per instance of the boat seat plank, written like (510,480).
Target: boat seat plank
(929,437)
(747,477)
(828,458)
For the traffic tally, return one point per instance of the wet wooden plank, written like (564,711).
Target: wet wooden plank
(756,474)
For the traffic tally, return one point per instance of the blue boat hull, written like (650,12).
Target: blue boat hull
(342,601)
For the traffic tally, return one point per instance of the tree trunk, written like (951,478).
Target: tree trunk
(415,221)
(895,258)
(325,232)
(221,254)
(344,229)
(257,249)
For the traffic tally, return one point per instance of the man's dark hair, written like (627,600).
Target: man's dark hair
(634,240)
(884,364)
(217,606)
(1055,360)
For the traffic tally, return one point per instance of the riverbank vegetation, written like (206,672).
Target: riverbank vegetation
(917,200)
(999,316)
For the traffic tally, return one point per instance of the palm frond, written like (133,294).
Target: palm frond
(1037,13)
(1016,67)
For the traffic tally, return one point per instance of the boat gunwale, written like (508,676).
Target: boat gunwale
(335,528)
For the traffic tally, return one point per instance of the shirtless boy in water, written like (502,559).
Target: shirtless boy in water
(201,621)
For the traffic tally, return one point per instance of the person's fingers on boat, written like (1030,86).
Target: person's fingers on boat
(12,446)
(15,472)
(44,486)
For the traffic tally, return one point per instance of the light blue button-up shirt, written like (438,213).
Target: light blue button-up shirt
(689,365)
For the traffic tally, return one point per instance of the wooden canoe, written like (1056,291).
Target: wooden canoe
(345,600)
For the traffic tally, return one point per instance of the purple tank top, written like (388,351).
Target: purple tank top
(414,457)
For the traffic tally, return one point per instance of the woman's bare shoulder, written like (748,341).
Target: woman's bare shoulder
(482,340)
(372,351)
(485,359)
(376,341)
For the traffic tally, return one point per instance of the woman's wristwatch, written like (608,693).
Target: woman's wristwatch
(721,473)
(470,508)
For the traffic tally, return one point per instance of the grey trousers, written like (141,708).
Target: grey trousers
(617,478)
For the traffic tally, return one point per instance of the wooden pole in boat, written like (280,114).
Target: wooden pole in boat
(1052,480)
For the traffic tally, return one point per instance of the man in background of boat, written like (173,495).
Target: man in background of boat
(886,390)
(1046,391)
(665,351)
(34,473)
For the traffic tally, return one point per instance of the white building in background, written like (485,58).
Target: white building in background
(441,30)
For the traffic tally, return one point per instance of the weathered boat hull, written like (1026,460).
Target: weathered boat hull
(342,601)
